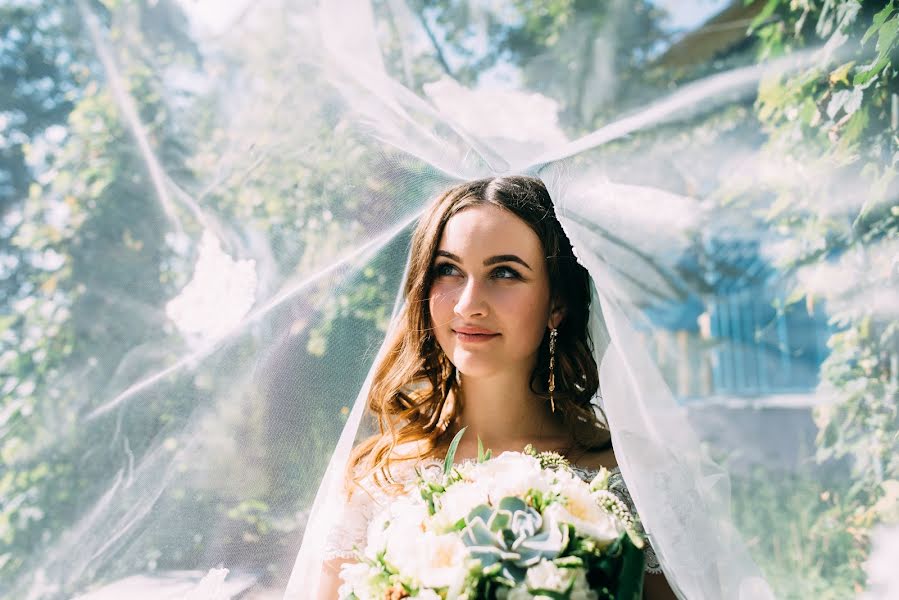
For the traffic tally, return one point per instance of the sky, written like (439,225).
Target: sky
(687,14)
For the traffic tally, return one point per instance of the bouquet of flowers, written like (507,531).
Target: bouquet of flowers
(520,525)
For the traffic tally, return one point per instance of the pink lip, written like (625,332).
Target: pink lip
(474,331)
(474,334)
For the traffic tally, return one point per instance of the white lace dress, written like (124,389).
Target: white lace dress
(352,526)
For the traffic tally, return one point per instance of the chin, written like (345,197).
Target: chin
(474,368)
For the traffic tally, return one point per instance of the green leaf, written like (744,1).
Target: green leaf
(887,33)
(808,111)
(481,455)
(451,453)
(854,128)
(763,16)
(867,74)
(879,19)
(886,36)
(630,578)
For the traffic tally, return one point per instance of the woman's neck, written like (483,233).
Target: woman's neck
(503,412)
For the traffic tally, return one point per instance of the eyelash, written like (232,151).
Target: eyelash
(440,271)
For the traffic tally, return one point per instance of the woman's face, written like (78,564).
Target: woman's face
(489,299)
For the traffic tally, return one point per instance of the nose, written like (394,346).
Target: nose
(471,301)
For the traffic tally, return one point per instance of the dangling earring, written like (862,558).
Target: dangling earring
(553,334)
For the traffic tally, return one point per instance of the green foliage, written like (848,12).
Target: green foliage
(101,247)
(68,317)
(837,114)
(46,75)
(451,452)
(482,455)
(617,572)
(798,526)
(834,120)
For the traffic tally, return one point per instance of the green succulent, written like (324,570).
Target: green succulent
(511,537)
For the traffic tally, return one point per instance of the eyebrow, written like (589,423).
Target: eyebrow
(499,258)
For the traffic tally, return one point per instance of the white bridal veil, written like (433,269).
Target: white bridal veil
(210,253)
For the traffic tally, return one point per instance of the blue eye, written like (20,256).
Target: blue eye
(505,273)
(444,270)
(450,270)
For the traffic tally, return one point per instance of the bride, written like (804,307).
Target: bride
(493,337)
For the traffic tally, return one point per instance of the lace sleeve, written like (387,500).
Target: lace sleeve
(351,527)
(366,501)
(618,487)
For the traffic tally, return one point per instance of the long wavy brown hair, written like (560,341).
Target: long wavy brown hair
(414,395)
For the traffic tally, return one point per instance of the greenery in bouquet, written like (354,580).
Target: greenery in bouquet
(520,525)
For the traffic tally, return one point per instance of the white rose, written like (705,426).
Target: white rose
(407,521)
(357,579)
(458,500)
(588,518)
(519,483)
(504,464)
(547,576)
(403,519)
(435,561)
(509,474)
(512,474)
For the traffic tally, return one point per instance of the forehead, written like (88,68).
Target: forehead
(488,230)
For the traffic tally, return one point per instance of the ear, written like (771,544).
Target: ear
(556,314)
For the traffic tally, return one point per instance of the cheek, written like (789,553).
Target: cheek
(526,317)
(440,304)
